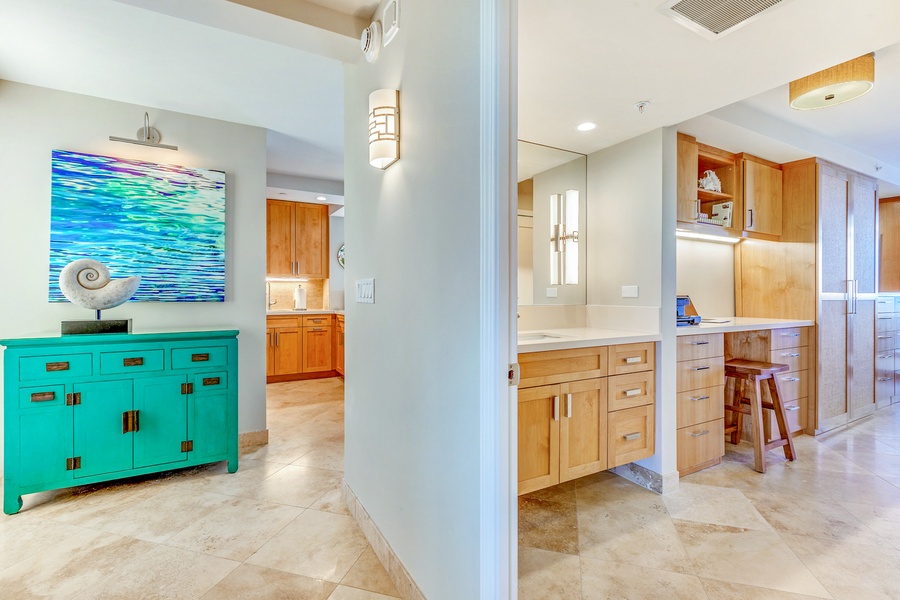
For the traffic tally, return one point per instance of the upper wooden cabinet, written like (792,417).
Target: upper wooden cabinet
(762,197)
(297,239)
(696,205)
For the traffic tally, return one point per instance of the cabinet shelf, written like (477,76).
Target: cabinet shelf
(711,196)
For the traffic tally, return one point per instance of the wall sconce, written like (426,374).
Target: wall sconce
(835,85)
(384,128)
(563,238)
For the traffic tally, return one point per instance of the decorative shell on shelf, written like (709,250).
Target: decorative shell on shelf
(710,181)
(86,282)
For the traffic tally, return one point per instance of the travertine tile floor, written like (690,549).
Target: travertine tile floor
(824,526)
(275,529)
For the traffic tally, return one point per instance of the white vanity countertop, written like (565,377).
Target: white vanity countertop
(275,313)
(580,337)
(733,324)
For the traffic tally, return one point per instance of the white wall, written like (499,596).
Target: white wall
(335,271)
(706,274)
(413,393)
(35,121)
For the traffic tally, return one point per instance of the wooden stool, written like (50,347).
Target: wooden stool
(742,387)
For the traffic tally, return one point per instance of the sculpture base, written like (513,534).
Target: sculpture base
(86,327)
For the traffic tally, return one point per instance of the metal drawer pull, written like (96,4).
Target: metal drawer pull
(706,368)
(43,396)
(791,334)
(57,366)
(791,408)
(699,398)
(879,379)
(885,356)
(569,406)
(885,337)
(211,381)
(133,362)
(699,433)
(630,437)
(792,354)
(630,393)
(556,408)
(791,379)
(199,357)
(699,343)
(631,360)
(318,329)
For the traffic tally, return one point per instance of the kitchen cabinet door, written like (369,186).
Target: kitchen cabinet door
(270,351)
(280,238)
(288,350)
(688,164)
(311,240)
(538,437)
(582,428)
(316,349)
(762,198)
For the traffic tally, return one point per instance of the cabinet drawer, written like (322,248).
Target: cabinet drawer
(698,406)
(54,367)
(283,321)
(700,373)
(789,338)
(132,361)
(699,444)
(633,389)
(630,435)
(796,359)
(793,385)
(886,341)
(50,395)
(316,320)
(884,304)
(557,366)
(202,356)
(796,416)
(210,382)
(631,358)
(884,322)
(692,347)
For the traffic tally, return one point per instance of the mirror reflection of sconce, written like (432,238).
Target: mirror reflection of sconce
(564,238)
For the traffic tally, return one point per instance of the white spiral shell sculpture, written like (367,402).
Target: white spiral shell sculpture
(86,282)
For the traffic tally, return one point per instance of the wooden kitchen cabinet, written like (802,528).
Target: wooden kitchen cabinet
(694,159)
(296,239)
(700,408)
(300,347)
(339,345)
(762,197)
(575,419)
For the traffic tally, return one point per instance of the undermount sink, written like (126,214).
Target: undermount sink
(539,336)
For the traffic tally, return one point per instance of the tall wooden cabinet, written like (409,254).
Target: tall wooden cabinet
(297,239)
(299,347)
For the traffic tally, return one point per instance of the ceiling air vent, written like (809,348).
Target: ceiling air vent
(715,18)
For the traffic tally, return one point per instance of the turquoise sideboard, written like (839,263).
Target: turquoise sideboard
(87,408)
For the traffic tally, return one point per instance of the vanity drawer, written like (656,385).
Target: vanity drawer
(796,359)
(700,444)
(42,396)
(54,367)
(700,373)
(631,358)
(698,406)
(131,361)
(692,347)
(789,338)
(633,389)
(317,320)
(793,385)
(205,383)
(200,357)
(630,435)
(558,366)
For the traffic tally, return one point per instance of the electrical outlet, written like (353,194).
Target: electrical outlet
(365,291)
(552,292)
(629,291)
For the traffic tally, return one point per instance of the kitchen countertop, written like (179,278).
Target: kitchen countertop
(581,337)
(276,313)
(741,324)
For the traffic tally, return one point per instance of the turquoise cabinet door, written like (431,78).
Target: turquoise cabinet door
(99,440)
(44,446)
(209,417)
(162,417)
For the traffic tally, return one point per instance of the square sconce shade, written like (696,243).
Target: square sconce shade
(384,128)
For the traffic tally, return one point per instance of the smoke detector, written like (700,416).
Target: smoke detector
(370,41)
(713,19)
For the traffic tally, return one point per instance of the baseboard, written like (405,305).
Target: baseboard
(395,569)
(651,480)
(253,438)
(301,376)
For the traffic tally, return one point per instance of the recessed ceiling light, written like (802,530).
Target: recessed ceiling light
(586,126)
(321,198)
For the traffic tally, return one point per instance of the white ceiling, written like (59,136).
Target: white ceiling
(579,60)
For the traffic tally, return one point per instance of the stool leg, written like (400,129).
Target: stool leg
(767,422)
(740,391)
(781,417)
(759,443)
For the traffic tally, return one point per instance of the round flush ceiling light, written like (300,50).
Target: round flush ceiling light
(321,198)
(835,85)
(588,126)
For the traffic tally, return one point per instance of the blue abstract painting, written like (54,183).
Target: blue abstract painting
(162,222)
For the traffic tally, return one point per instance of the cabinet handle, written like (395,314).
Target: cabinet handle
(276,338)
(706,368)
(318,329)
(57,366)
(630,437)
(750,210)
(791,379)
(699,343)
(791,334)
(791,354)
(886,318)
(631,360)
(136,361)
(43,396)
(556,408)
(791,408)
(885,337)
(700,433)
(699,398)
(130,421)
(211,381)
(879,379)
(697,209)
(199,357)
(568,406)
(630,393)
(885,356)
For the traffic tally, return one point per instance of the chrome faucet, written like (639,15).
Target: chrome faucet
(269,302)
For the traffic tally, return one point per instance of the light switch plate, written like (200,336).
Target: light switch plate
(552,292)
(365,291)
(629,291)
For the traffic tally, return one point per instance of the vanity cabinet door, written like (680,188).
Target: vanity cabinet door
(539,414)
(582,428)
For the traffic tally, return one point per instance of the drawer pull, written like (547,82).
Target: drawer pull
(211,381)
(133,362)
(791,334)
(699,398)
(318,329)
(57,366)
(200,357)
(791,379)
(885,356)
(699,343)
(630,437)
(791,354)
(700,433)
(633,360)
(885,318)
(568,406)
(791,408)
(630,393)
(556,408)
(706,368)
(43,396)
(879,379)
(317,320)
(880,337)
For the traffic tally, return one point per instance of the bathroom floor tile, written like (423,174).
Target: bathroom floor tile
(548,525)
(545,575)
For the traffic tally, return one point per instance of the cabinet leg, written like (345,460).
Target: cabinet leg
(11,503)
(232,464)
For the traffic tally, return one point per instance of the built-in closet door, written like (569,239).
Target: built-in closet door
(861,320)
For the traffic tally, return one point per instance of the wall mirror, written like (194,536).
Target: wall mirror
(552,222)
